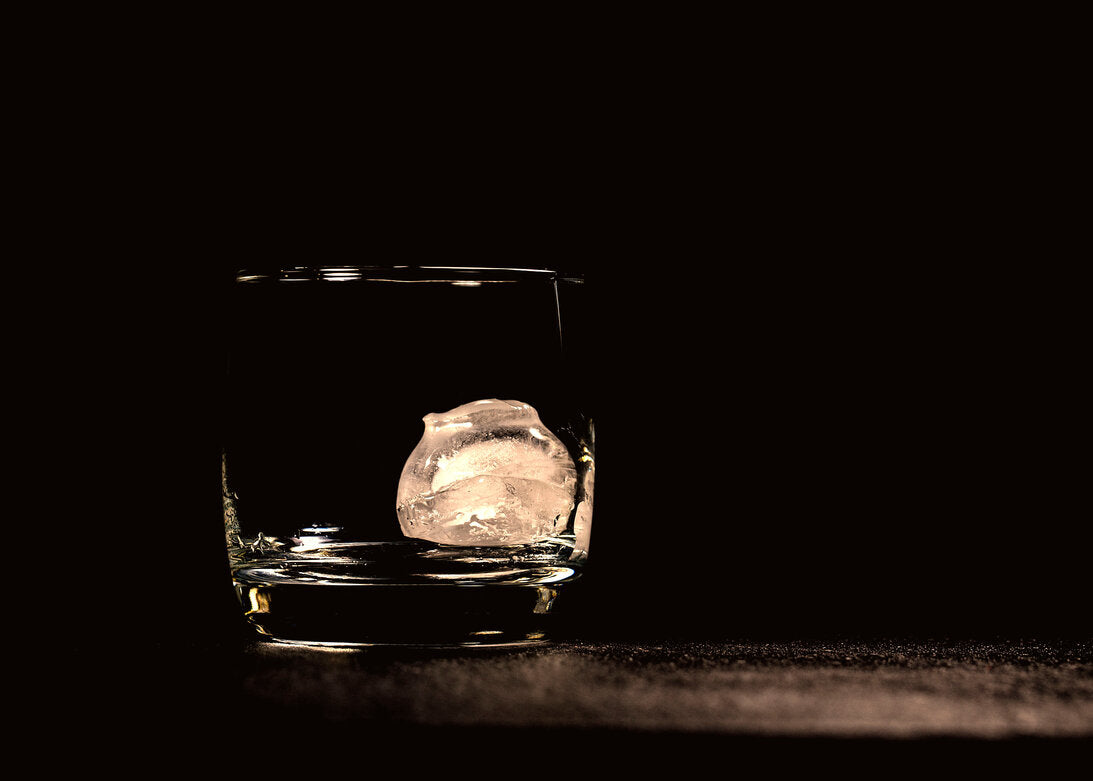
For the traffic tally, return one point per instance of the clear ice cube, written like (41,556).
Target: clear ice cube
(486,473)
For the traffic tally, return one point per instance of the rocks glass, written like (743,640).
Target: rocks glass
(408,453)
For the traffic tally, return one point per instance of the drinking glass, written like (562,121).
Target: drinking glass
(408,452)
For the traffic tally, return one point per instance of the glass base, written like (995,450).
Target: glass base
(402,593)
(441,615)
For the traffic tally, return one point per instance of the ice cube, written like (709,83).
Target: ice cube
(486,473)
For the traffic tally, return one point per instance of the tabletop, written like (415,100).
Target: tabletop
(670,702)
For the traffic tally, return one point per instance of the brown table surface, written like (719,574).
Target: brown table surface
(635,702)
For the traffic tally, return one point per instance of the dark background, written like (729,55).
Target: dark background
(836,346)
(839,334)
(787,450)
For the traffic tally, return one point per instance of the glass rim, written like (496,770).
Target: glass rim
(400,273)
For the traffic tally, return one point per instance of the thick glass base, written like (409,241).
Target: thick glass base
(440,615)
(402,593)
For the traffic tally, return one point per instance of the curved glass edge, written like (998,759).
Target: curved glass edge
(356,273)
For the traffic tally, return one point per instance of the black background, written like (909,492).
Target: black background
(835,361)
(839,336)
(783,449)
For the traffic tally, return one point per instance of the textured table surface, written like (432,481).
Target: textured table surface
(633,699)
(887,689)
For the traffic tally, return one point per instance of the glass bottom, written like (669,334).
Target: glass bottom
(389,614)
(403,593)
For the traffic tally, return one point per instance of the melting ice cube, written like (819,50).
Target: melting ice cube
(486,473)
